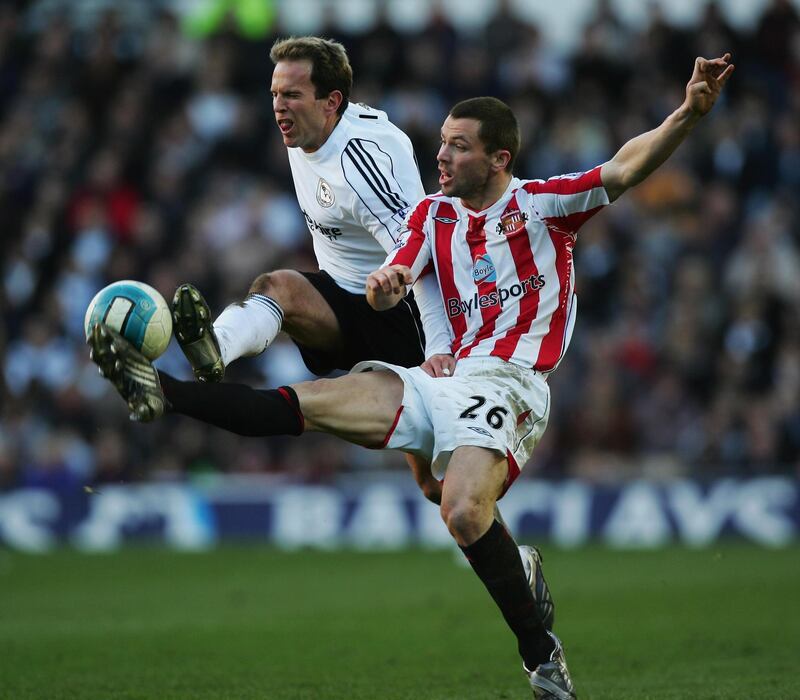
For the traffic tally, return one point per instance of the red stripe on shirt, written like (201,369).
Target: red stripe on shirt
(566,185)
(522,253)
(553,342)
(476,239)
(416,239)
(572,222)
(442,241)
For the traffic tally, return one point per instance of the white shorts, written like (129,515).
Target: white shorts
(486,403)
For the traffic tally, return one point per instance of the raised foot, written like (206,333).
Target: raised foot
(194,331)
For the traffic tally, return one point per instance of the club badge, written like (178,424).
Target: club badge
(325,196)
(512,223)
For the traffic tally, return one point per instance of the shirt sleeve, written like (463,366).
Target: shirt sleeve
(386,181)
(438,334)
(566,202)
(414,251)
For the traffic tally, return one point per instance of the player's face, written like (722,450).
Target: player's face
(301,117)
(464,165)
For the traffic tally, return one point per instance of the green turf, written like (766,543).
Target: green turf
(255,623)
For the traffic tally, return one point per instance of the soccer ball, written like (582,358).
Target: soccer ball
(137,312)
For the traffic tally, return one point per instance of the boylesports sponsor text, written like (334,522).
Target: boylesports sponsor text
(457,306)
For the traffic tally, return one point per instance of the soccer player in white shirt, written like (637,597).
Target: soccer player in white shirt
(356,177)
(501,249)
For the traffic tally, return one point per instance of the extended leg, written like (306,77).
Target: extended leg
(360,408)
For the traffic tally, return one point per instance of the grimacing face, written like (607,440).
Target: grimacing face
(464,165)
(301,117)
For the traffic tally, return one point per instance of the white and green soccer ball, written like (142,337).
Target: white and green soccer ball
(137,312)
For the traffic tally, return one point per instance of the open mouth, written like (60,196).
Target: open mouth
(444,178)
(285,125)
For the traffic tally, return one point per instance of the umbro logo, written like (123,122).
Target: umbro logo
(445,220)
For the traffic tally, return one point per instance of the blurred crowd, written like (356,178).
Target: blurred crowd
(135,150)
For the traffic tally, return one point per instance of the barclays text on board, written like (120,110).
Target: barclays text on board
(386,515)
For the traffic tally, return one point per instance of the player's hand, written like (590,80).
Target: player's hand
(707,81)
(439,365)
(387,286)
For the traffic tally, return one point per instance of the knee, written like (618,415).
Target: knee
(262,284)
(462,518)
(277,285)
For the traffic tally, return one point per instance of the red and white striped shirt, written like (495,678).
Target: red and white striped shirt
(506,273)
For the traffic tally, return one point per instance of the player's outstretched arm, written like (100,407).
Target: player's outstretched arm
(387,286)
(642,155)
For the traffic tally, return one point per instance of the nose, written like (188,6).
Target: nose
(442,156)
(278,104)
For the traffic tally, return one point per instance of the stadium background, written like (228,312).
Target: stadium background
(137,141)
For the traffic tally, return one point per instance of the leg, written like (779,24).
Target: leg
(475,478)
(428,484)
(307,316)
(531,558)
(280,300)
(360,408)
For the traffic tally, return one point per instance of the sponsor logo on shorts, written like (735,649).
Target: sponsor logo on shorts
(457,306)
(480,431)
(325,196)
(483,269)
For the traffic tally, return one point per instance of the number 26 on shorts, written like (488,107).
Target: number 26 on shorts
(494,416)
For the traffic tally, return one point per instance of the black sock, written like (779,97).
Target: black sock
(495,558)
(236,407)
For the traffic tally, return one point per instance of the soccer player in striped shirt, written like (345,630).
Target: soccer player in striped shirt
(501,249)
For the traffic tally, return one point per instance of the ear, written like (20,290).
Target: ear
(500,160)
(333,101)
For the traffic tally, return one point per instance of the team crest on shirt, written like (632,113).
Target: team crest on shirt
(483,269)
(511,223)
(325,196)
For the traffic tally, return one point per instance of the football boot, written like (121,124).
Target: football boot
(194,331)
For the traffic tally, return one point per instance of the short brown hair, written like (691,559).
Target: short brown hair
(330,67)
(498,129)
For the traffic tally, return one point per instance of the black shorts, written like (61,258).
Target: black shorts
(393,336)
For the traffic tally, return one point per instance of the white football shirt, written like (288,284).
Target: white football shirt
(355,192)
(506,273)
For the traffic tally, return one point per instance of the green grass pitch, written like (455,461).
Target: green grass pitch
(252,622)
